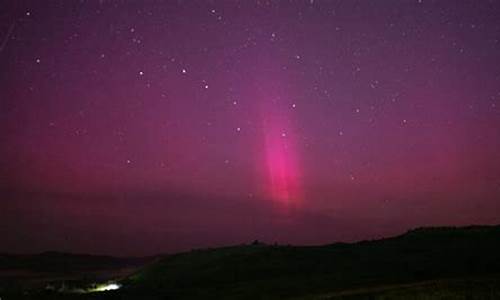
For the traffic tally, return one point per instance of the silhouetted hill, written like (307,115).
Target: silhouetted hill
(255,271)
(52,261)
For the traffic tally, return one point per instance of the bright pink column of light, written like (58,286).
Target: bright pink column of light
(281,159)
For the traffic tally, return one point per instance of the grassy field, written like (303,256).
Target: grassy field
(427,263)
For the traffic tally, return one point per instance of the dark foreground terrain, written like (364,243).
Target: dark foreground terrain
(427,263)
(21,274)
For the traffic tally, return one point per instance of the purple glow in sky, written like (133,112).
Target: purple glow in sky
(141,127)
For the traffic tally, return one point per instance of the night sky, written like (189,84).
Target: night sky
(144,127)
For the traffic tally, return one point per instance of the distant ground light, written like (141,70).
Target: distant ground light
(104,287)
(92,288)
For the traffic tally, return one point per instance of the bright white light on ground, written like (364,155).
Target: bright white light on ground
(106,287)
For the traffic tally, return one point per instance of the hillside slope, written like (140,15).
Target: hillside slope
(261,271)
